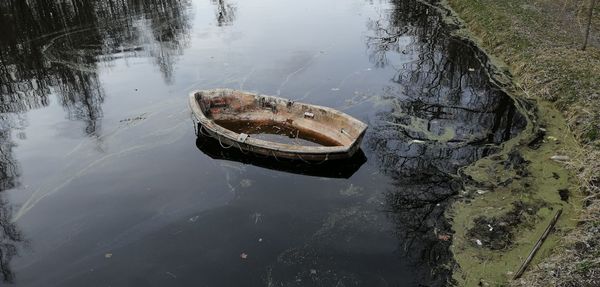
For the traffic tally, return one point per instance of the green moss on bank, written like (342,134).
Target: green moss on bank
(495,189)
(539,42)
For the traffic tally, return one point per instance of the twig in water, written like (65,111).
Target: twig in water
(537,245)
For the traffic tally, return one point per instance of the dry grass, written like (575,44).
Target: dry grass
(540,41)
(578,263)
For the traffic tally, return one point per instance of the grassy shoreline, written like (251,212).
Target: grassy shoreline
(538,43)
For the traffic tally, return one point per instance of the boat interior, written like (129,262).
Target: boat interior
(279,120)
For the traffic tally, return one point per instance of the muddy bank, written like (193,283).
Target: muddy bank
(508,200)
(510,197)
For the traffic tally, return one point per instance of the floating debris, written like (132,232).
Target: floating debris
(444,237)
(498,232)
(246,183)
(243,255)
(351,190)
(134,119)
(560,158)
(171,274)
(256,217)
(564,194)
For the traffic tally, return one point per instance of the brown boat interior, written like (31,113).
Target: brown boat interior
(278,120)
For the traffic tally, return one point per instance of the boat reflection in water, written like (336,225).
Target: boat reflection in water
(333,168)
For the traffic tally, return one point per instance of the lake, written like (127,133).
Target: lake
(104,182)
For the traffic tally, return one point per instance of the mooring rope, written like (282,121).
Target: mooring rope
(241,150)
(221,144)
(313,163)
(274,155)
(195,123)
(200,129)
(203,133)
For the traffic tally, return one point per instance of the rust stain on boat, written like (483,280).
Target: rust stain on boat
(274,126)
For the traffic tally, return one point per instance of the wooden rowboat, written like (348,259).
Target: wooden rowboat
(276,127)
(343,168)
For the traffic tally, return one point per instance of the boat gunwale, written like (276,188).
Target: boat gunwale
(270,145)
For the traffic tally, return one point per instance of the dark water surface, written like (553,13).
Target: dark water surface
(103,182)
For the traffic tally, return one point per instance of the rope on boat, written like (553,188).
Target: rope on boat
(313,163)
(242,150)
(202,132)
(221,144)
(200,129)
(195,123)
(274,155)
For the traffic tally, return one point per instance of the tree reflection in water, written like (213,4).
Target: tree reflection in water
(224,12)
(10,236)
(445,112)
(54,48)
(10,239)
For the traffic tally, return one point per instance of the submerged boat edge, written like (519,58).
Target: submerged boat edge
(229,139)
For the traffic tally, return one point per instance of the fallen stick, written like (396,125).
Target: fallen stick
(537,245)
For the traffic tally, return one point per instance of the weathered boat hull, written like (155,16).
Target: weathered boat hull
(209,105)
(343,168)
(227,142)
